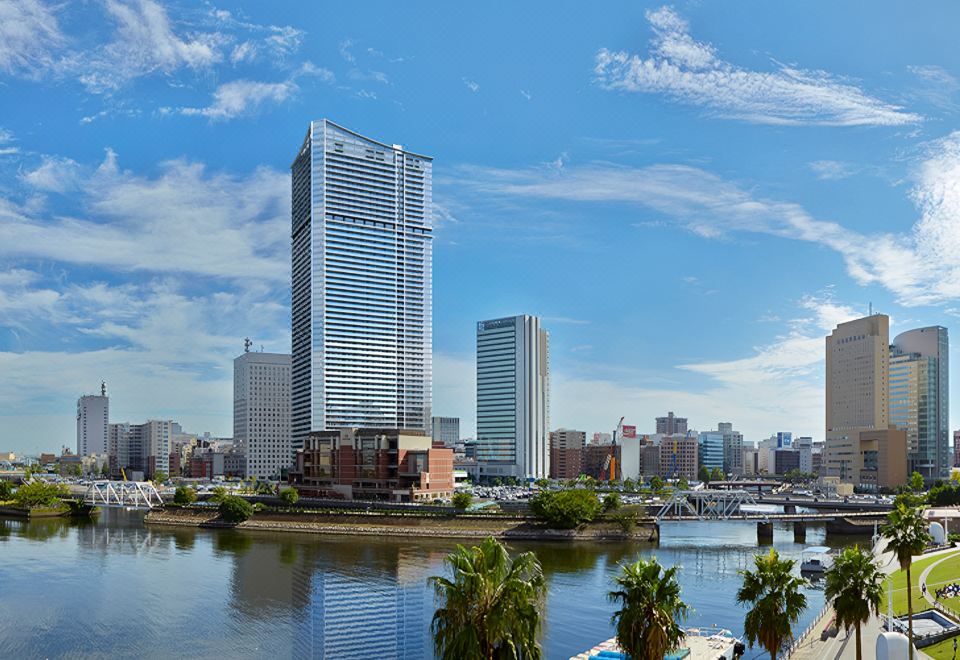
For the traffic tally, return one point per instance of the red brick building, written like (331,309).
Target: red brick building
(566,448)
(374,464)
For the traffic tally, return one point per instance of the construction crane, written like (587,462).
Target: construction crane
(610,463)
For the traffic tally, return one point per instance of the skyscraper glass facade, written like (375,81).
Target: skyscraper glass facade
(361,239)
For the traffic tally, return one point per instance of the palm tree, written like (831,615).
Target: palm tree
(855,585)
(906,534)
(650,603)
(490,606)
(777,602)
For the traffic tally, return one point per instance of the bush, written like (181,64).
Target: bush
(611,502)
(461,501)
(289,496)
(627,521)
(6,490)
(219,494)
(235,509)
(565,509)
(40,494)
(184,495)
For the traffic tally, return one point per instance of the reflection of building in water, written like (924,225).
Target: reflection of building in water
(262,581)
(375,614)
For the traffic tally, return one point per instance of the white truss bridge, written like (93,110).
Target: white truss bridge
(706,505)
(127,494)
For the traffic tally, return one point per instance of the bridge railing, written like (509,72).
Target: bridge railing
(802,637)
(138,494)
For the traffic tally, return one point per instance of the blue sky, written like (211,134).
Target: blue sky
(690,195)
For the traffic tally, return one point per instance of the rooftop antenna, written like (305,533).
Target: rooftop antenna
(261,348)
(247,344)
(103,388)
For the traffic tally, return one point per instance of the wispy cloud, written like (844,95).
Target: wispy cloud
(30,37)
(920,266)
(832,169)
(691,71)
(525,94)
(194,221)
(472,85)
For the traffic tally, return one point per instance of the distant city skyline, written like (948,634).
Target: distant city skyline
(688,244)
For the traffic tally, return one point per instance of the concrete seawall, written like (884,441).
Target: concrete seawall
(455,526)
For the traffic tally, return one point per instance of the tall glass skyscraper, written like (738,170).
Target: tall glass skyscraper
(513,397)
(362,264)
(920,398)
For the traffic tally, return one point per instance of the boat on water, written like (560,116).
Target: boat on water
(698,644)
(815,560)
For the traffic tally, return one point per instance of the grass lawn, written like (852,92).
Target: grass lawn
(941,650)
(900,585)
(946,573)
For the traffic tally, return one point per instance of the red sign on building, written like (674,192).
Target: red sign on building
(629,431)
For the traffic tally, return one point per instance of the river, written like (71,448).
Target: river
(115,588)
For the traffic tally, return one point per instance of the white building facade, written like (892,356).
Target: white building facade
(140,448)
(261,412)
(513,397)
(362,300)
(93,417)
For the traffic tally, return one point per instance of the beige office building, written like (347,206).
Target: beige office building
(857,374)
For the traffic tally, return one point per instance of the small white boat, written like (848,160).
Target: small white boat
(698,644)
(816,560)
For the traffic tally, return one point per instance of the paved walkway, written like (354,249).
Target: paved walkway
(948,554)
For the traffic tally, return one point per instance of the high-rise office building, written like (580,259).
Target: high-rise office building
(93,417)
(804,446)
(920,398)
(857,368)
(784,439)
(261,412)
(710,450)
(671,425)
(140,448)
(361,312)
(446,430)
(566,450)
(732,448)
(513,397)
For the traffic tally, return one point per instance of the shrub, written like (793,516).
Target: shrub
(565,509)
(184,495)
(461,501)
(219,494)
(40,494)
(627,521)
(611,502)
(289,496)
(6,490)
(235,509)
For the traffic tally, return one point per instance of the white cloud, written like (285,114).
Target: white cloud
(144,43)
(472,85)
(184,220)
(691,72)
(525,94)
(921,266)
(240,97)
(832,169)
(54,174)
(30,37)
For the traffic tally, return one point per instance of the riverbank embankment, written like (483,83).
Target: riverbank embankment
(469,526)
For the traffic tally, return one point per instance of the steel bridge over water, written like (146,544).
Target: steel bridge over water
(126,494)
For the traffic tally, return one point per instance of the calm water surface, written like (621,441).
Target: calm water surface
(114,588)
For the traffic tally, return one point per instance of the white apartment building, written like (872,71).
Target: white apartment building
(261,412)
(143,448)
(362,300)
(93,416)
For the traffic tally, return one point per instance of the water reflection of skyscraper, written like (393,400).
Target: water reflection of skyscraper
(345,598)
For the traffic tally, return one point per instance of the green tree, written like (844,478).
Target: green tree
(656,483)
(6,490)
(235,509)
(683,484)
(565,509)
(40,494)
(906,534)
(776,599)
(650,607)
(703,474)
(916,482)
(629,485)
(611,502)
(105,469)
(855,585)
(77,470)
(490,607)
(461,500)
(184,495)
(289,496)
(542,484)
(160,476)
(716,474)
(219,494)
